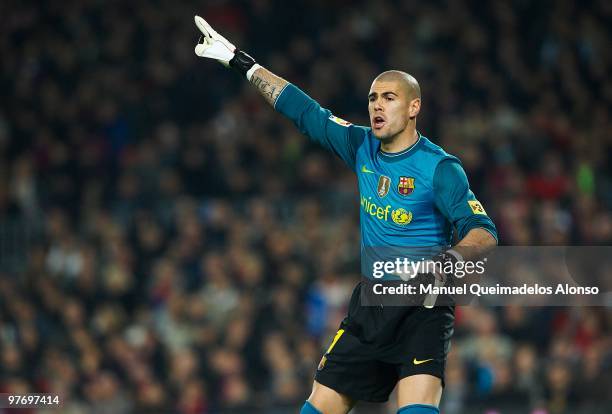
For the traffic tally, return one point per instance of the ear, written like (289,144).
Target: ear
(414,107)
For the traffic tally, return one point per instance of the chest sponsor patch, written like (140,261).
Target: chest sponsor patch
(476,207)
(339,121)
(399,216)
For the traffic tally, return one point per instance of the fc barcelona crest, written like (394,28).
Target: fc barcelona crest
(405,186)
(384,183)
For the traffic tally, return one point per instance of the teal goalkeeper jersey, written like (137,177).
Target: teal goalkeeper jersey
(414,198)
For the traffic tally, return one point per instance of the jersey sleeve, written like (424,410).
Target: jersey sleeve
(457,202)
(336,135)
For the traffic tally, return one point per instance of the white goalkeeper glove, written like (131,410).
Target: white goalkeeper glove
(214,46)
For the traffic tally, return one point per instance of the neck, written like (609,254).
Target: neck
(401,141)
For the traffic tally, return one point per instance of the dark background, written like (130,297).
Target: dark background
(170,244)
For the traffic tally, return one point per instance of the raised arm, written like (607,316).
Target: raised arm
(333,133)
(268,84)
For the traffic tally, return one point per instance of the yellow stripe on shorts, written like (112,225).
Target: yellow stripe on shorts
(338,335)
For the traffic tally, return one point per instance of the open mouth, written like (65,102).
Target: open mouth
(378,122)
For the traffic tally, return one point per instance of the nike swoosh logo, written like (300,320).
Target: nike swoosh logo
(417,362)
(365,170)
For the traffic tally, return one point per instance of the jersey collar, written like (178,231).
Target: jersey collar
(396,156)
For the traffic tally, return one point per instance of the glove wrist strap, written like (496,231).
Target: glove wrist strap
(251,71)
(242,62)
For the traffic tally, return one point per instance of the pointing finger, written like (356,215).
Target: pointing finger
(203,26)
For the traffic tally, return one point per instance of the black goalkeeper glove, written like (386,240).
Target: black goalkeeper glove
(439,272)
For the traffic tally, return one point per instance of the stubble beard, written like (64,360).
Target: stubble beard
(389,137)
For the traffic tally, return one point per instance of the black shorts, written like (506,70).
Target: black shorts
(375,347)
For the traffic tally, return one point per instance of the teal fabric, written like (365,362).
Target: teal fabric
(308,408)
(452,193)
(318,124)
(419,409)
(409,199)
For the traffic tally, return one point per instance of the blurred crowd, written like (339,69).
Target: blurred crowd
(168,243)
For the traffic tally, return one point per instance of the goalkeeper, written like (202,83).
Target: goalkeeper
(412,193)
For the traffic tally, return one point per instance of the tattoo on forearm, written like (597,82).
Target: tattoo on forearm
(268,84)
(269,91)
